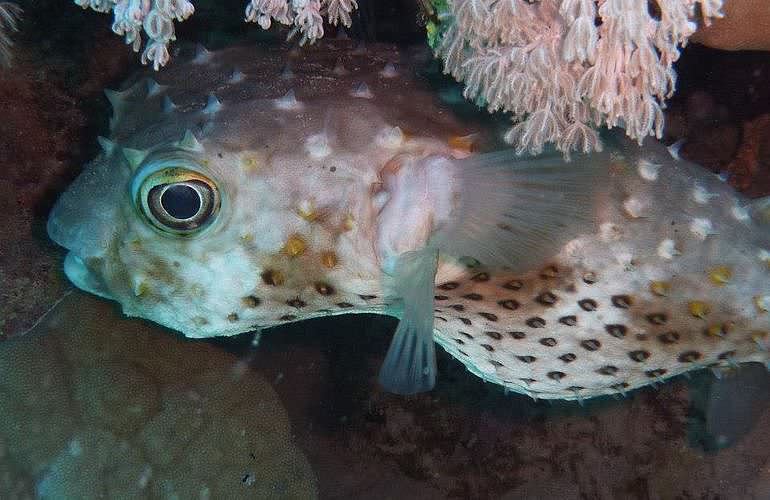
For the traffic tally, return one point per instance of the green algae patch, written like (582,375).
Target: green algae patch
(97,405)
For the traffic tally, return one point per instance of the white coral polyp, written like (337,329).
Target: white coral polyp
(548,62)
(155,18)
(305,15)
(618,73)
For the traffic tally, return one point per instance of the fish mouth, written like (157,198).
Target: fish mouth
(78,273)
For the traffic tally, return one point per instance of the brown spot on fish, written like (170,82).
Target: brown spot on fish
(480,277)
(458,307)
(536,322)
(517,335)
(296,303)
(568,357)
(689,356)
(466,321)
(607,370)
(568,320)
(548,341)
(726,355)
(494,335)
(658,372)
(344,305)
(546,299)
(488,316)
(588,304)
(466,334)
(509,304)
(440,297)
(620,386)
(669,337)
(496,363)
(526,359)
(622,301)
(488,347)
(473,296)
(589,278)
(556,375)
(449,285)
(513,285)
(287,317)
(617,331)
(251,301)
(549,272)
(367,297)
(639,355)
(657,318)
(273,278)
(590,344)
(232,317)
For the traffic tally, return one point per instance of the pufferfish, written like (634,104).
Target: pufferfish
(252,187)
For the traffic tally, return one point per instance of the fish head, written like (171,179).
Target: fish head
(225,233)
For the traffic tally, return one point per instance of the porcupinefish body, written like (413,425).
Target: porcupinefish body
(253,187)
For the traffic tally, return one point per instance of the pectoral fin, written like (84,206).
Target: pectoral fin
(410,364)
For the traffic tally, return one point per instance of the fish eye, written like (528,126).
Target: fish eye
(178,200)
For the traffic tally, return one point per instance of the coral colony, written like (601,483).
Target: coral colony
(560,67)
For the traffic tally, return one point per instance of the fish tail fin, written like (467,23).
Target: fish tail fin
(410,364)
(513,212)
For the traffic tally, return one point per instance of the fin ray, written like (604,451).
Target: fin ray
(410,364)
(517,212)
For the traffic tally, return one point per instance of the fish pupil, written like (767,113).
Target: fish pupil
(180,201)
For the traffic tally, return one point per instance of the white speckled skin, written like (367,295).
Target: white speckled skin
(674,278)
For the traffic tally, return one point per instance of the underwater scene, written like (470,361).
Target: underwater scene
(298,249)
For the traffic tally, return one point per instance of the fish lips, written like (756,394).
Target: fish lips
(78,272)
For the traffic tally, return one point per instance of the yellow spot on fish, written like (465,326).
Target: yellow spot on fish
(136,244)
(295,246)
(200,321)
(720,275)
(205,162)
(250,301)
(719,329)
(250,164)
(699,309)
(196,291)
(141,288)
(660,288)
(762,302)
(247,238)
(307,211)
(348,223)
(329,259)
